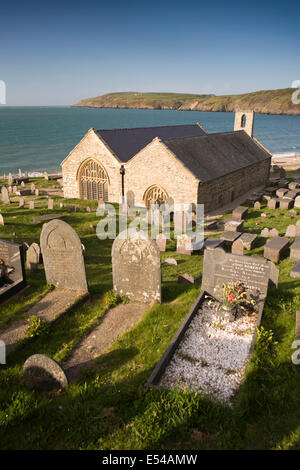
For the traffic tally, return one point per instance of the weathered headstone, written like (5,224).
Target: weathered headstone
(265,233)
(50,204)
(293,213)
(297,202)
(5,195)
(9,189)
(274,233)
(186,278)
(41,372)
(239,213)
(62,256)
(273,203)
(21,203)
(161,241)
(22,184)
(233,225)
(276,248)
(291,231)
(248,240)
(213,243)
(14,189)
(295,271)
(281,192)
(298,228)
(32,187)
(32,257)
(136,266)
(1,220)
(237,247)
(31,205)
(130,198)
(257,205)
(295,250)
(9,180)
(36,192)
(184,245)
(13,275)
(286,203)
(46,176)
(229,237)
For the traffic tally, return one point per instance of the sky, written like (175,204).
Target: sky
(58,52)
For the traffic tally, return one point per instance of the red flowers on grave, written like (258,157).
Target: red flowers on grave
(234,295)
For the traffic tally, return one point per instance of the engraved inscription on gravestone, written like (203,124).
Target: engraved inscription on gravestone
(62,255)
(136,267)
(220,267)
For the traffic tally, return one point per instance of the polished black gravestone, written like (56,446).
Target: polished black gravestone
(221,268)
(13,278)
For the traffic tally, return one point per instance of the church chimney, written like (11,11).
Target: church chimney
(244,120)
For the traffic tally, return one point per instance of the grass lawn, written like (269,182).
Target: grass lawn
(109,407)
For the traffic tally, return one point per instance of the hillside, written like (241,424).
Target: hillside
(267,102)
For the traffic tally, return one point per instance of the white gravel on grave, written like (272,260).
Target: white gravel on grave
(212,355)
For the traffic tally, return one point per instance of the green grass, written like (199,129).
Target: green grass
(109,408)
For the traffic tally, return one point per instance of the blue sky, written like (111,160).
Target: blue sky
(56,53)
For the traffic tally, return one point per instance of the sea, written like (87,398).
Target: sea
(37,139)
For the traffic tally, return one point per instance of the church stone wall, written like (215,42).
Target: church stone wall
(223,190)
(91,147)
(155,165)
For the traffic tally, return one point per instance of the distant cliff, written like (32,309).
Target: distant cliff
(266,102)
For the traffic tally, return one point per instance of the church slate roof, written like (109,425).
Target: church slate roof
(214,155)
(125,143)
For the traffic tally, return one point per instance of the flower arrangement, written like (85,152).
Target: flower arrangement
(234,295)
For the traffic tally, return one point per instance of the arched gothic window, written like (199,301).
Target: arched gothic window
(93,181)
(155,195)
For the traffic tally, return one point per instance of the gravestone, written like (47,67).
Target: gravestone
(14,189)
(62,256)
(274,233)
(220,267)
(237,247)
(31,204)
(161,241)
(32,187)
(88,209)
(41,372)
(295,271)
(22,184)
(291,231)
(33,257)
(36,192)
(213,243)
(233,225)
(46,176)
(281,192)
(9,180)
(21,203)
(248,240)
(265,233)
(276,248)
(257,205)
(282,173)
(297,202)
(1,220)
(136,267)
(184,245)
(5,195)
(293,213)
(9,189)
(295,250)
(186,279)
(50,204)
(286,203)
(239,213)
(294,185)
(13,278)
(273,203)
(229,237)
(170,261)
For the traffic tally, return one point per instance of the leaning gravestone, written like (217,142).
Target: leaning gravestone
(221,268)
(41,372)
(12,277)
(136,267)
(62,256)
(5,195)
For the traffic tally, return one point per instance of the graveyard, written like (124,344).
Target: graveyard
(107,404)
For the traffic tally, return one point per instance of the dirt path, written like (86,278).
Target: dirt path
(117,320)
(53,304)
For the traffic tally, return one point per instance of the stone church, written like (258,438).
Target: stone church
(181,162)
